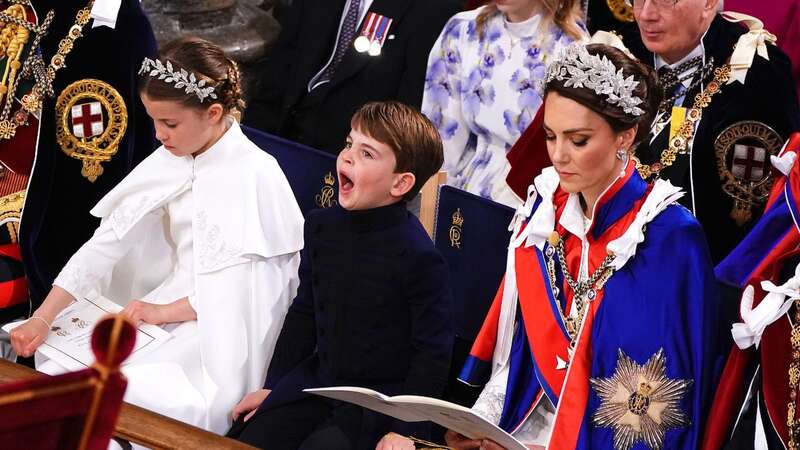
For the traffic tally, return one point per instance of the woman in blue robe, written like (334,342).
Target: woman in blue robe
(604,333)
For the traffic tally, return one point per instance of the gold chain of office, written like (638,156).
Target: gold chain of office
(679,143)
(15,33)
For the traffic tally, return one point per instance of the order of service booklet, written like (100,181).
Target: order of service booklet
(70,340)
(415,408)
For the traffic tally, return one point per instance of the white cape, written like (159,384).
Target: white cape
(247,231)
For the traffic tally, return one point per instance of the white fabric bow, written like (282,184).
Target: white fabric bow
(755,41)
(536,231)
(543,221)
(784,163)
(105,12)
(624,247)
(604,37)
(774,305)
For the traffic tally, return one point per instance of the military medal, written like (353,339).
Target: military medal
(373,34)
(363,41)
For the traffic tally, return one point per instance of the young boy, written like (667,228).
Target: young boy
(373,305)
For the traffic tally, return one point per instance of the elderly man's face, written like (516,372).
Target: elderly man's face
(672,29)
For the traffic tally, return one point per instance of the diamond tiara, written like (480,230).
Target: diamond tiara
(181,78)
(577,68)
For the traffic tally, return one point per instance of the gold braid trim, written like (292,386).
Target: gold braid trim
(794,380)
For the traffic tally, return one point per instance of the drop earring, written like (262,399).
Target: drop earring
(622,155)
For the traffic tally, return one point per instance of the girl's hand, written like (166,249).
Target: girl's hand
(138,310)
(26,338)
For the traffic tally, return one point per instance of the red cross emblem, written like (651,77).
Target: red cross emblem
(748,163)
(87,120)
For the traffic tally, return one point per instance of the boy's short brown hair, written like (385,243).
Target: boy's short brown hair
(414,140)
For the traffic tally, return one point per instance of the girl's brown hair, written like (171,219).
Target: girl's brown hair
(564,13)
(648,89)
(206,61)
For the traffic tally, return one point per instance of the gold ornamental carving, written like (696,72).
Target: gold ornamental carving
(11,212)
(622,10)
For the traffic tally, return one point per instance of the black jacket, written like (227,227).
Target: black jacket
(373,309)
(768,96)
(281,103)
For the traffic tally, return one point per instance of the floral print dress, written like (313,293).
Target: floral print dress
(482,92)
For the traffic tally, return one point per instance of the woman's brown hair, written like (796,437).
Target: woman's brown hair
(206,61)
(564,13)
(648,89)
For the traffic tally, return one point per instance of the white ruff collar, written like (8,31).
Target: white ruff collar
(542,223)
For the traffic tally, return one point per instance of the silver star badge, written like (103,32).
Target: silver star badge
(639,402)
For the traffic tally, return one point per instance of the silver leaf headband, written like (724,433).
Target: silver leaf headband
(577,68)
(182,79)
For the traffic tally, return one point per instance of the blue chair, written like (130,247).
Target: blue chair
(472,235)
(311,173)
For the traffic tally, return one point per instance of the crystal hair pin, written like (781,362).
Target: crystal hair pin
(181,78)
(577,68)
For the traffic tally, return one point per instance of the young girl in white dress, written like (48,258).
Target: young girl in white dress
(202,237)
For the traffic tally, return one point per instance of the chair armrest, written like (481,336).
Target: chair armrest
(429,199)
(140,426)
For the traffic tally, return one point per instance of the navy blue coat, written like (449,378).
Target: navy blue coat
(56,215)
(373,309)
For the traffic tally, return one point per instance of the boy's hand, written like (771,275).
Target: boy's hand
(460,442)
(394,441)
(249,404)
(138,310)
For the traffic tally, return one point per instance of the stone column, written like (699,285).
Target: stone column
(243,28)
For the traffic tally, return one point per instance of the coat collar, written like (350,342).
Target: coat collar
(614,203)
(222,151)
(377,219)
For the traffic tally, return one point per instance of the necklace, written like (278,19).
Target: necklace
(35,66)
(582,290)
(678,144)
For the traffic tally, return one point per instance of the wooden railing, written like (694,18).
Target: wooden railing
(429,199)
(140,426)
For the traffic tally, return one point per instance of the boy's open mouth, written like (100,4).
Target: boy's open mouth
(345,183)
